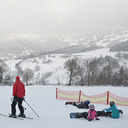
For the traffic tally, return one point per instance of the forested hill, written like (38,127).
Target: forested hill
(120,47)
(98,67)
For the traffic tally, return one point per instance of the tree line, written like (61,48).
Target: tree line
(7,77)
(97,71)
(81,71)
(120,47)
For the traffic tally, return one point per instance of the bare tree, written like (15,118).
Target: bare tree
(82,71)
(58,80)
(92,71)
(20,72)
(8,80)
(28,75)
(71,66)
(3,68)
(107,70)
(43,80)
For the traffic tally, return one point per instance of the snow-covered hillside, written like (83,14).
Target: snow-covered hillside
(53,65)
(54,113)
(112,39)
(27,45)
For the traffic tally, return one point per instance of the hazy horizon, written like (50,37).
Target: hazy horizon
(62,16)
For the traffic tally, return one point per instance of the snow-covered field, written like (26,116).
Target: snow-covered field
(53,113)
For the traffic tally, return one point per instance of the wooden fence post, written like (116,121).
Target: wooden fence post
(56,92)
(79,95)
(107,97)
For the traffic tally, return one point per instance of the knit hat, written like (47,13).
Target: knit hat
(17,78)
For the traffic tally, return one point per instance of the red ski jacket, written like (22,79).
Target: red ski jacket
(19,89)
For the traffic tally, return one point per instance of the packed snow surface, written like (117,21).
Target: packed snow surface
(53,113)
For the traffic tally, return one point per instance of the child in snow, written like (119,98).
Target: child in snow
(90,115)
(115,113)
(112,111)
(84,104)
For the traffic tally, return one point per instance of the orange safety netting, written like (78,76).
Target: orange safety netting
(118,100)
(67,95)
(102,98)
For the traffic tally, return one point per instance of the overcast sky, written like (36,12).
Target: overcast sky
(61,16)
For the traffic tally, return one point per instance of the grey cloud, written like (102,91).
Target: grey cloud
(61,16)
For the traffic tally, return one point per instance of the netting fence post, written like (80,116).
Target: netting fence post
(79,95)
(56,92)
(107,97)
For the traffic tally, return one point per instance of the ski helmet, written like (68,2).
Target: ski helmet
(87,102)
(91,106)
(111,103)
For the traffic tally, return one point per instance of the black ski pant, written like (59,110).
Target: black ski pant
(101,113)
(83,114)
(107,114)
(13,105)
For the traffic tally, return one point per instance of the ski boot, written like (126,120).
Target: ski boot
(13,116)
(22,115)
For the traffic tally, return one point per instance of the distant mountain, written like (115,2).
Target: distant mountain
(83,45)
(17,46)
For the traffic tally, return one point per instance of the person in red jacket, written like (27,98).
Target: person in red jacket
(18,96)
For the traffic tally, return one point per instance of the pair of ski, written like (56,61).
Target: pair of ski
(19,118)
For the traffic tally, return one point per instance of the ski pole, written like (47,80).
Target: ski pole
(31,108)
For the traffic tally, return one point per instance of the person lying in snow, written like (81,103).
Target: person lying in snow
(112,111)
(90,115)
(80,104)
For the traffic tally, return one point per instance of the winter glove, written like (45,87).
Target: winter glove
(89,119)
(105,110)
(120,111)
(97,119)
(24,98)
(12,98)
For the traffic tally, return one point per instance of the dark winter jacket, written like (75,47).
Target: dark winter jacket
(81,105)
(19,89)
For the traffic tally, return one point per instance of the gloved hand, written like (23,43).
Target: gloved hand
(12,98)
(89,119)
(97,119)
(104,110)
(24,98)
